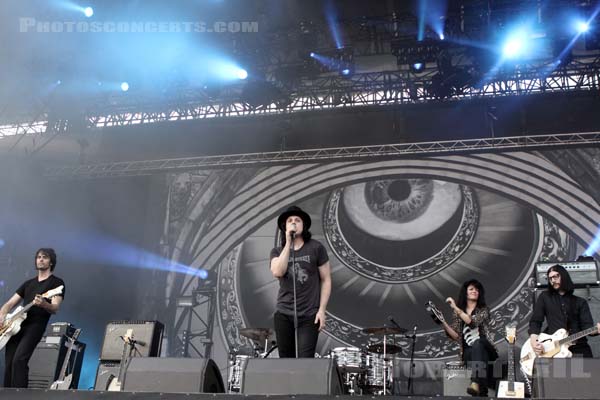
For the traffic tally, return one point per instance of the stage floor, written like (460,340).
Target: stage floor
(39,394)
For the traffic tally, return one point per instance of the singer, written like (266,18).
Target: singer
(471,328)
(313,284)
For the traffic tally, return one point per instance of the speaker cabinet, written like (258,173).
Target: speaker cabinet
(286,376)
(47,361)
(175,375)
(457,378)
(106,370)
(566,378)
(148,335)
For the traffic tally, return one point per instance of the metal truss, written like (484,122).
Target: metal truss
(134,168)
(195,338)
(366,89)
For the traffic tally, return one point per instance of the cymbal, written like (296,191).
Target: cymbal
(258,334)
(389,348)
(384,330)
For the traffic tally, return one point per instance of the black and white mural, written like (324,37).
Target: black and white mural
(399,232)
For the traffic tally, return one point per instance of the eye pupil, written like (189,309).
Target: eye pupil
(399,190)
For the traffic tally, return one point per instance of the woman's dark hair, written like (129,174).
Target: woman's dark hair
(566,283)
(462,295)
(47,251)
(306,235)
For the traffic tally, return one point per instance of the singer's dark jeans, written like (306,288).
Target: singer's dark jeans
(308,333)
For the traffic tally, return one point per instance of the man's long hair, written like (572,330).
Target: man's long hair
(462,295)
(47,251)
(566,283)
(306,235)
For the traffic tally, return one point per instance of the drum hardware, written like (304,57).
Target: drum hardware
(382,348)
(237,362)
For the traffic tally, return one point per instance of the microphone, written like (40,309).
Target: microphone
(391,319)
(293,231)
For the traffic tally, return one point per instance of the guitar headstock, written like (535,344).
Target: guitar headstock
(511,333)
(76,334)
(53,292)
(128,336)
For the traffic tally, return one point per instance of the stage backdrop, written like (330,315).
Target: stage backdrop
(399,232)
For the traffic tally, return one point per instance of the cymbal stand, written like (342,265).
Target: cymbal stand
(385,364)
(412,360)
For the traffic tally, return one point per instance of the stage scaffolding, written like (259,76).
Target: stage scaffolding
(136,168)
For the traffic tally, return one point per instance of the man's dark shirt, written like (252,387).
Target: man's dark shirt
(28,290)
(567,311)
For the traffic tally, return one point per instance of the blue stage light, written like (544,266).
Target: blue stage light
(242,73)
(124,86)
(582,26)
(513,47)
(346,71)
(88,11)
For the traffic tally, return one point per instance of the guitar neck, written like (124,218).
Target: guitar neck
(578,335)
(22,311)
(511,367)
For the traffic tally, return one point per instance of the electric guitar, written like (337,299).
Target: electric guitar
(555,345)
(115,383)
(436,314)
(13,321)
(511,388)
(64,381)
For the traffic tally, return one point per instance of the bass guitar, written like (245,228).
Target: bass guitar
(64,381)
(555,345)
(511,388)
(13,321)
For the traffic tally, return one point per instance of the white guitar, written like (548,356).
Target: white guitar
(555,345)
(511,388)
(115,383)
(64,381)
(13,321)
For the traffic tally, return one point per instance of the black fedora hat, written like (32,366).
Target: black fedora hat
(297,211)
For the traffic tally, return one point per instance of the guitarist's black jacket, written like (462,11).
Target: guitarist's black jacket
(561,312)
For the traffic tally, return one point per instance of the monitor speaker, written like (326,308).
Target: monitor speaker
(287,376)
(174,375)
(566,378)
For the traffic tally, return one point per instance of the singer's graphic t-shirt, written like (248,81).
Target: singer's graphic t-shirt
(308,281)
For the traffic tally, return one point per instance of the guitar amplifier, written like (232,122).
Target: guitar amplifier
(148,336)
(47,359)
(457,378)
(582,273)
(60,329)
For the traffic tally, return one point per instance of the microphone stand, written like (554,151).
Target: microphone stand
(293,257)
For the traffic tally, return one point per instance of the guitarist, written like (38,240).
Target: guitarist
(21,346)
(561,309)
(470,327)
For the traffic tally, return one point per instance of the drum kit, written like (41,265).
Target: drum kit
(367,370)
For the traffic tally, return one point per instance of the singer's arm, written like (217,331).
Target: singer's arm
(325,275)
(279,264)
